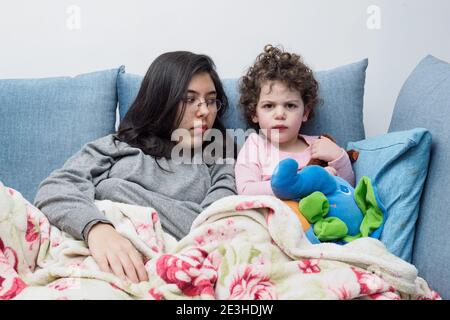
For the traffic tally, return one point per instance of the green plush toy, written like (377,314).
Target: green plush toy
(336,211)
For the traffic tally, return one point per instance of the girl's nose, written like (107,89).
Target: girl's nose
(280,112)
(202,110)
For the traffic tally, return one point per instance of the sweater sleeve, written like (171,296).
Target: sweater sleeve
(344,168)
(222,183)
(176,216)
(248,171)
(67,195)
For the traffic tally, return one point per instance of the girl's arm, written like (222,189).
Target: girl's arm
(66,196)
(223,183)
(344,168)
(249,182)
(248,170)
(176,216)
(326,149)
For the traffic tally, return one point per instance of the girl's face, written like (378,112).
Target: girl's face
(281,112)
(200,112)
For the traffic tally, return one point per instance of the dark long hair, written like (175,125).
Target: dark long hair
(152,117)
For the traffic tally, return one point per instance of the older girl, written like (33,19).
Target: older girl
(181,90)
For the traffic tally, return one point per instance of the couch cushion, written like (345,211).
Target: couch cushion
(127,89)
(397,164)
(340,115)
(424,101)
(44,121)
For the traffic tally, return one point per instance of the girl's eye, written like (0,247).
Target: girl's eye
(190,100)
(267,106)
(291,106)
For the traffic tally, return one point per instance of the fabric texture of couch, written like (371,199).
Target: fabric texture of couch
(424,101)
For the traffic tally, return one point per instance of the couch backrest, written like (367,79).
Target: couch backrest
(44,121)
(424,101)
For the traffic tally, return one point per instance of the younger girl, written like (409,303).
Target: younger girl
(181,91)
(278,94)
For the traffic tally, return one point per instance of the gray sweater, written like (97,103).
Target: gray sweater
(108,168)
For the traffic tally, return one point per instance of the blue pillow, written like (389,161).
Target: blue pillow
(44,121)
(127,89)
(397,164)
(424,101)
(340,115)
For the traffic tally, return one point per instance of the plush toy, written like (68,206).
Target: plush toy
(333,209)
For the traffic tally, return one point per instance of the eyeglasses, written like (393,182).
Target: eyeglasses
(194,104)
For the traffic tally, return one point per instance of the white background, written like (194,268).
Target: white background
(38,38)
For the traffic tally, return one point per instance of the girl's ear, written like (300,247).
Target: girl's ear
(306,114)
(255,119)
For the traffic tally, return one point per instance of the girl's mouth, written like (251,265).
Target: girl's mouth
(280,128)
(200,129)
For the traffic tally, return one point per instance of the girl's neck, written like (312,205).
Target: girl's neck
(294,146)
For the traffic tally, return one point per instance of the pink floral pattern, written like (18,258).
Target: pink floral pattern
(250,204)
(155,217)
(432,296)
(343,292)
(309,266)
(65,283)
(77,265)
(156,294)
(38,227)
(245,205)
(114,286)
(251,284)
(370,283)
(32,232)
(385,296)
(15,287)
(146,231)
(221,232)
(9,255)
(146,234)
(56,242)
(189,272)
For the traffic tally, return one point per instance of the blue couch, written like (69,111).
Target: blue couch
(44,121)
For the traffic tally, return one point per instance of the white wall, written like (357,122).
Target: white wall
(38,39)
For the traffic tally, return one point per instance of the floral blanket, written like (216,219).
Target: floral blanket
(241,247)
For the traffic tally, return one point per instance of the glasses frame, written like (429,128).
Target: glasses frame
(197,103)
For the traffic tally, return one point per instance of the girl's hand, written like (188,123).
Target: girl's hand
(325,149)
(331,170)
(115,254)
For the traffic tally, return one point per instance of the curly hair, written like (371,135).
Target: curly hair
(275,64)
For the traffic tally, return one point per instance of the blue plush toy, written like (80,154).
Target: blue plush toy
(337,211)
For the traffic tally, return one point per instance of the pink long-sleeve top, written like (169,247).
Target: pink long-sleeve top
(258,158)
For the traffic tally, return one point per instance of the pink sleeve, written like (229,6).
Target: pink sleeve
(248,171)
(344,168)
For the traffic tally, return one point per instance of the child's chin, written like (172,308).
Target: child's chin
(279,140)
